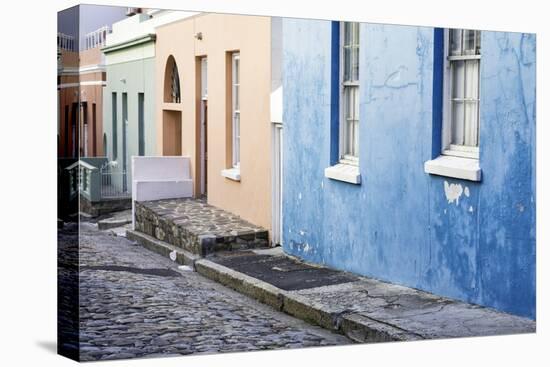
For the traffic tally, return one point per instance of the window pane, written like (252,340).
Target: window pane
(471,120)
(237,71)
(356,138)
(347,33)
(237,125)
(347,63)
(351,123)
(457,79)
(457,123)
(355,34)
(236,138)
(204,77)
(472,79)
(347,103)
(478,42)
(356,104)
(471,124)
(355,64)
(351,138)
(455,36)
(347,119)
(469,41)
(236,97)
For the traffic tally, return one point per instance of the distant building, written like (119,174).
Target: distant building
(82,31)
(409,156)
(129,93)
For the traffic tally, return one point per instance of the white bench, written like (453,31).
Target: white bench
(156,178)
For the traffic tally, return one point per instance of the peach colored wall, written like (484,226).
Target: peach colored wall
(90,56)
(171,142)
(251,36)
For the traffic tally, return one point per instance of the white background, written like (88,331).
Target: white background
(28,181)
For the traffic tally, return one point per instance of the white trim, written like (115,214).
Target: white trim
(344,172)
(349,160)
(71,85)
(232,173)
(83,164)
(463,57)
(456,167)
(344,158)
(236,150)
(83,69)
(277,152)
(462,151)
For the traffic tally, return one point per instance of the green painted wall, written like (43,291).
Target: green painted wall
(130,77)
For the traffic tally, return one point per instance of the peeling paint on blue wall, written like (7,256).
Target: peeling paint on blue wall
(473,241)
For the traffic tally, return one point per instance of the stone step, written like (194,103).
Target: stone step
(197,227)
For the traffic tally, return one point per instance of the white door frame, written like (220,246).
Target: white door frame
(277,184)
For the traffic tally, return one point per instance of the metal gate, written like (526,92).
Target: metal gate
(113,182)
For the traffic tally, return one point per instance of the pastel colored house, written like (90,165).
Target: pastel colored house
(81,78)
(129,93)
(409,156)
(213,95)
(80,85)
(82,31)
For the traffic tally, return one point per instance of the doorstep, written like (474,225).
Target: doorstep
(197,227)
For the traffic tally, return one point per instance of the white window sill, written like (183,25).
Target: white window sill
(344,172)
(232,174)
(456,167)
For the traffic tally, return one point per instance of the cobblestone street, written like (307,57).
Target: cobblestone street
(135,303)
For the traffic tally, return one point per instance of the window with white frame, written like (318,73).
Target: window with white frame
(235,110)
(461,93)
(349,100)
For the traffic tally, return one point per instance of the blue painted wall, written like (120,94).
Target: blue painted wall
(399,225)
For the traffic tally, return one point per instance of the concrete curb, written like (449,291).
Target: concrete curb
(182,257)
(252,287)
(356,327)
(364,329)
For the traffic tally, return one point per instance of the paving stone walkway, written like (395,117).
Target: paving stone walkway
(135,303)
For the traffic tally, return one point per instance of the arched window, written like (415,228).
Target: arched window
(171,82)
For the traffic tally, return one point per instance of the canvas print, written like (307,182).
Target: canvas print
(234,183)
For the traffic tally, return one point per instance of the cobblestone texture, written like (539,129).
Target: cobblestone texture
(67,290)
(134,303)
(196,226)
